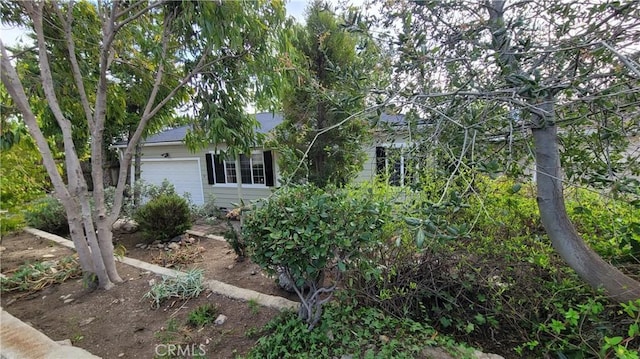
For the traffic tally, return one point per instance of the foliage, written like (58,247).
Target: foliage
(163,218)
(208,211)
(497,282)
(330,67)
(47,214)
(184,286)
(203,315)
(36,276)
(350,331)
(234,238)
(22,177)
(302,231)
(10,223)
(153,55)
(147,191)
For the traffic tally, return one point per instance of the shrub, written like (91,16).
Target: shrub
(500,283)
(301,230)
(11,222)
(163,218)
(49,215)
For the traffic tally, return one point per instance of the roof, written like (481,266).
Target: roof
(267,120)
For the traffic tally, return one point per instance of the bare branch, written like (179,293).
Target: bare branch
(75,68)
(628,62)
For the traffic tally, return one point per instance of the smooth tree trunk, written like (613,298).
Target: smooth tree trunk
(564,237)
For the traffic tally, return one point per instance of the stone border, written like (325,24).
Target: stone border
(215,286)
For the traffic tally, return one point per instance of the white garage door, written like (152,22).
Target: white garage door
(184,174)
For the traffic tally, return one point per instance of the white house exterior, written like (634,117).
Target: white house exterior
(207,173)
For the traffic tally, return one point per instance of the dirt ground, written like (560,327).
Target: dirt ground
(119,323)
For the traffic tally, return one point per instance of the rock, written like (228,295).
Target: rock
(174,246)
(230,266)
(139,245)
(67,301)
(220,319)
(253,272)
(481,355)
(64,342)
(156,242)
(125,226)
(2,249)
(86,321)
(384,338)
(120,355)
(177,238)
(152,282)
(48,256)
(63,297)
(160,245)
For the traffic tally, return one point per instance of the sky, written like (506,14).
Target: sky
(296,8)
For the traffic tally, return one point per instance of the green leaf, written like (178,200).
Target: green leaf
(420,236)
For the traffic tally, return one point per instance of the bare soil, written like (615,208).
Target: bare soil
(119,323)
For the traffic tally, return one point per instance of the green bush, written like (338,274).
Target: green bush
(11,222)
(163,218)
(47,214)
(486,272)
(302,230)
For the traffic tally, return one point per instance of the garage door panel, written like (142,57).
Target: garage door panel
(184,174)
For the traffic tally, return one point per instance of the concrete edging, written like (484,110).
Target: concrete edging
(215,286)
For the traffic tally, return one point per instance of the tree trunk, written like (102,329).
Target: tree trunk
(137,172)
(564,237)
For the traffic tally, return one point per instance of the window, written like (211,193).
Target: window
(255,169)
(392,163)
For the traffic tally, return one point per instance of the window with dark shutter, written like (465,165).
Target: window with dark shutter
(210,178)
(218,164)
(268,169)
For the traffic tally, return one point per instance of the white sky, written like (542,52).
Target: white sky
(296,8)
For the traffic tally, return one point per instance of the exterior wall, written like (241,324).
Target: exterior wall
(369,168)
(225,194)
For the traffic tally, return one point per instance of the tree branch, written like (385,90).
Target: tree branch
(75,68)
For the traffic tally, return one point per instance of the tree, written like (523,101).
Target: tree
(545,66)
(220,48)
(335,65)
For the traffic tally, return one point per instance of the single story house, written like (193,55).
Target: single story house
(247,177)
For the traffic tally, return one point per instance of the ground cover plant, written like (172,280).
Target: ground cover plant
(36,276)
(349,330)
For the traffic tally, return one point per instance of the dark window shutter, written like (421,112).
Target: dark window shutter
(268,169)
(380,160)
(210,178)
(218,164)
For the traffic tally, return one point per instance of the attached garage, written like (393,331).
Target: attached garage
(183,173)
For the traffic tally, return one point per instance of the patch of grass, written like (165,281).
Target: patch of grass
(39,275)
(203,315)
(189,285)
(254,307)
